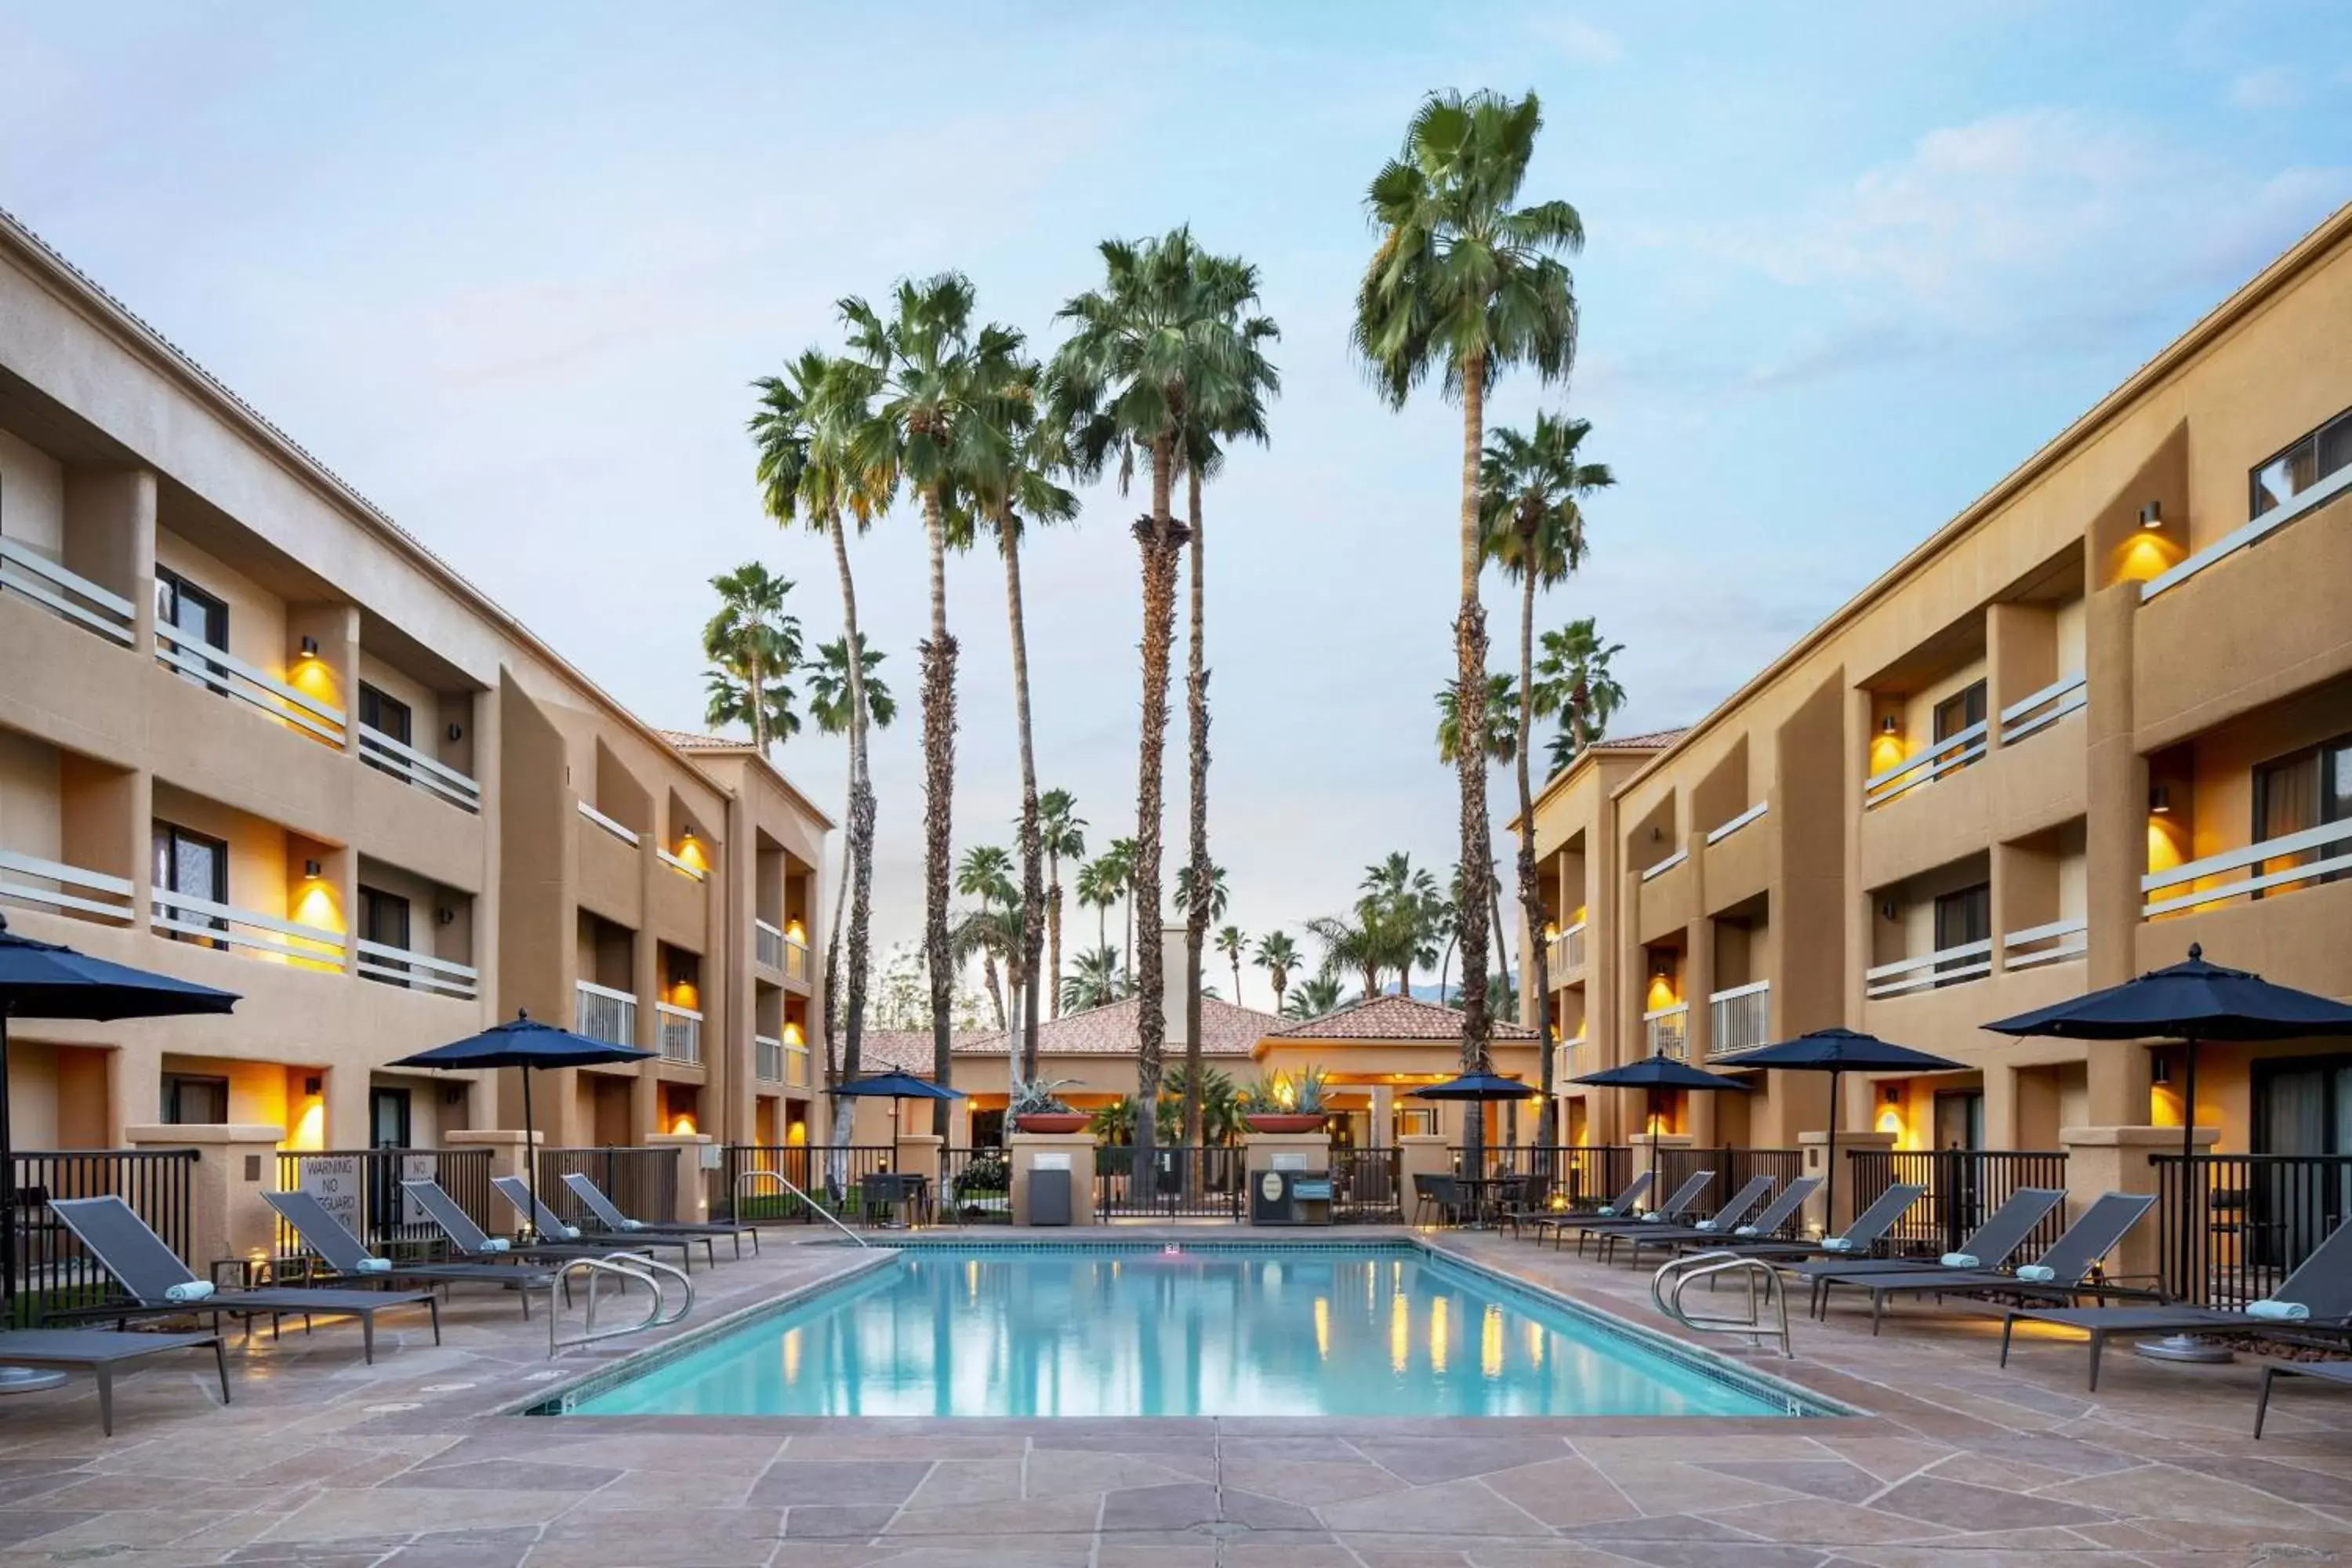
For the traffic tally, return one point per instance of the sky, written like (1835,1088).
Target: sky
(511,269)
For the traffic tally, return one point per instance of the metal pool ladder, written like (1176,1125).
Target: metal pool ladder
(1764,1293)
(782,1180)
(650,1272)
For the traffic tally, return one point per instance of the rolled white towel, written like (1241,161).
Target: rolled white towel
(2278,1312)
(1744,1230)
(627,1224)
(2040,1273)
(1837,1244)
(1705,1224)
(189,1290)
(1653,1218)
(495,1243)
(1606,1209)
(373,1265)
(563,1232)
(1961,1261)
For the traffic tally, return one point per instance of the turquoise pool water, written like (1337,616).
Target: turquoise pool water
(1229,1330)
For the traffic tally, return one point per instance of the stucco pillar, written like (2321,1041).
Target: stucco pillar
(693,1187)
(2114,847)
(1646,1146)
(919,1155)
(1698,1024)
(110,538)
(1820,1219)
(1383,1115)
(2001,1121)
(1073,1152)
(235,1163)
(2118,1160)
(1421,1155)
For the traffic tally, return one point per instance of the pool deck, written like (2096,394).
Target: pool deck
(322,1460)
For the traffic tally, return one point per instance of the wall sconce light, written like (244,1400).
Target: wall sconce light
(2161,1073)
(2159,800)
(313,1085)
(457,732)
(454,1094)
(310,648)
(1656,832)
(1893,1095)
(310,869)
(1886,909)
(444,915)
(1887,725)
(687,835)
(2151,516)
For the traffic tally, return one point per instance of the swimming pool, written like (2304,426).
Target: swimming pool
(1211,1330)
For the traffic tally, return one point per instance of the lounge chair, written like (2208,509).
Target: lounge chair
(548,1222)
(1623,1204)
(1710,1236)
(1868,1229)
(160,1285)
(2316,1299)
(1992,1245)
(1677,1205)
(2064,1268)
(2338,1372)
(324,1234)
(1734,1212)
(101,1351)
(476,1245)
(611,1222)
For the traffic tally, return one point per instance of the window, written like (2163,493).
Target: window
(191,1101)
(1959,711)
(192,866)
(1962,918)
(2305,789)
(384,715)
(383,919)
(194,614)
(2302,466)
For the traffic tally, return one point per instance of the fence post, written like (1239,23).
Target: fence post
(693,1192)
(235,1163)
(2118,1160)
(1271,1151)
(1650,1152)
(1077,1149)
(918,1154)
(1819,1220)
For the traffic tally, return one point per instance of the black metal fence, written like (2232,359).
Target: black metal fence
(1177,1182)
(1364,1187)
(1964,1187)
(1572,1174)
(975,1186)
(53,1272)
(2252,1219)
(642,1183)
(360,1187)
(743,1186)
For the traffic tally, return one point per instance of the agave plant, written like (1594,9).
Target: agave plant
(1038,1097)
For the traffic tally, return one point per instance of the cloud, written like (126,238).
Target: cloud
(2278,87)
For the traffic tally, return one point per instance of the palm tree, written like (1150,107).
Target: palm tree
(1062,831)
(986,873)
(1534,488)
(1093,980)
(1156,342)
(752,644)
(1231,941)
(1574,676)
(1119,863)
(1397,905)
(1348,944)
(1502,707)
(1100,888)
(806,429)
(1467,282)
(1278,956)
(1214,895)
(932,379)
(1312,997)
(834,707)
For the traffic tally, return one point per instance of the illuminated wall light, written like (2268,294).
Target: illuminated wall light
(682,1125)
(1660,992)
(2151,516)
(792,1035)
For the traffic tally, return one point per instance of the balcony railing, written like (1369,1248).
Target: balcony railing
(417,971)
(796,1066)
(2333,837)
(1564,1063)
(226,926)
(2052,943)
(796,960)
(1566,953)
(681,1032)
(2270,522)
(626,835)
(767,1059)
(1944,966)
(65,594)
(1718,835)
(1669,1030)
(1949,754)
(2062,696)
(683,868)
(1666,865)
(403,762)
(1739,1019)
(604,1014)
(768,943)
(230,675)
(30,880)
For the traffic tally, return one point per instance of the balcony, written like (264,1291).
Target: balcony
(2194,885)
(1949,755)
(69,889)
(1564,1056)
(797,1065)
(2057,942)
(401,762)
(66,594)
(1652,873)
(684,867)
(1565,955)
(419,971)
(767,1059)
(249,932)
(604,1014)
(2294,511)
(225,673)
(1944,966)
(1739,1019)
(1718,835)
(682,1033)
(2065,695)
(624,835)
(768,944)
(1669,1030)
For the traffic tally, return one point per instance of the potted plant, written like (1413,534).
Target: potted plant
(1285,1104)
(1034,1107)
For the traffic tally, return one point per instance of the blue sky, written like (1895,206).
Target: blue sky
(509,268)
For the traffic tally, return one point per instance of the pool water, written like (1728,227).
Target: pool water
(1220,1331)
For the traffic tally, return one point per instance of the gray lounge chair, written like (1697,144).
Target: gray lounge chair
(2321,1287)
(144,1265)
(611,1222)
(1734,1212)
(324,1234)
(2338,1372)
(548,1222)
(100,1352)
(1868,1229)
(478,1245)
(1712,1236)
(1623,1204)
(1679,1202)
(2063,1269)
(1992,1245)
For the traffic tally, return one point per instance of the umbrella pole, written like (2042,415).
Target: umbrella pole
(1829,1204)
(13,1379)
(530,1156)
(2181,1347)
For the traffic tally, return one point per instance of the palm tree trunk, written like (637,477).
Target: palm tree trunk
(1196,916)
(988,978)
(759,708)
(1032,900)
(859,844)
(938,784)
(1157,539)
(1470,757)
(1053,932)
(1537,969)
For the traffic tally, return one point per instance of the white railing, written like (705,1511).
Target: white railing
(30,880)
(1944,966)
(2062,696)
(225,925)
(682,867)
(604,1014)
(767,1059)
(797,1065)
(796,960)
(404,762)
(681,1032)
(2327,835)
(65,594)
(232,677)
(768,943)
(1666,865)
(1563,1059)
(1739,1019)
(2052,943)
(626,835)
(2270,522)
(1717,836)
(1566,954)
(1954,752)
(1669,1030)
(417,971)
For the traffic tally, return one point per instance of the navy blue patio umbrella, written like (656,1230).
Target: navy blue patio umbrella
(1656,1071)
(43,980)
(1835,1052)
(895,1085)
(1476,1086)
(526,1043)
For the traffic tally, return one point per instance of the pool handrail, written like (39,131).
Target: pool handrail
(785,1181)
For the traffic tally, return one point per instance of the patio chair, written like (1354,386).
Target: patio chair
(476,1245)
(1709,1235)
(1868,1229)
(610,1221)
(2337,1372)
(1516,1203)
(160,1285)
(1678,1203)
(324,1234)
(1435,1192)
(1732,1214)
(1992,1245)
(100,1352)
(2317,1298)
(2064,1268)
(548,1222)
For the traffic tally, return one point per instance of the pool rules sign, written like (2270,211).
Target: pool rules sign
(334,1181)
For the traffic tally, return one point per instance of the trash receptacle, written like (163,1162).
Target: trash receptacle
(1049,1198)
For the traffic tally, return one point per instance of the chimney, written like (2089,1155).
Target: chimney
(1172,968)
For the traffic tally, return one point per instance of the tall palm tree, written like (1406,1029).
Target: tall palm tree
(933,377)
(1100,887)
(1467,282)
(1278,956)
(985,873)
(1502,716)
(1146,348)
(1535,486)
(1574,676)
(834,707)
(1312,997)
(1401,901)
(1349,944)
(1212,892)
(805,431)
(1231,941)
(729,698)
(1063,832)
(752,643)
(1119,861)
(1093,980)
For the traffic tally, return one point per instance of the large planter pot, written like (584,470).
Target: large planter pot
(1051,1121)
(1285,1121)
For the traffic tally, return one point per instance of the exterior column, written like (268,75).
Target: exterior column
(1819,1217)
(235,1163)
(2118,1160)
(1698,984)
(1420,1154)
(1646,1146)
(1383,1115)
(693,1190)
(2114,847)
(919,1155)
(1072,1152)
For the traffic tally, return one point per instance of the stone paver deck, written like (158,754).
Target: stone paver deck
(324,1461)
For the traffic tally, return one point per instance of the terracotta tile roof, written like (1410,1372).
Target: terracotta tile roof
(687,740)
(1393,1018)
(1656,740)
(1226,1030)
(905,1050)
